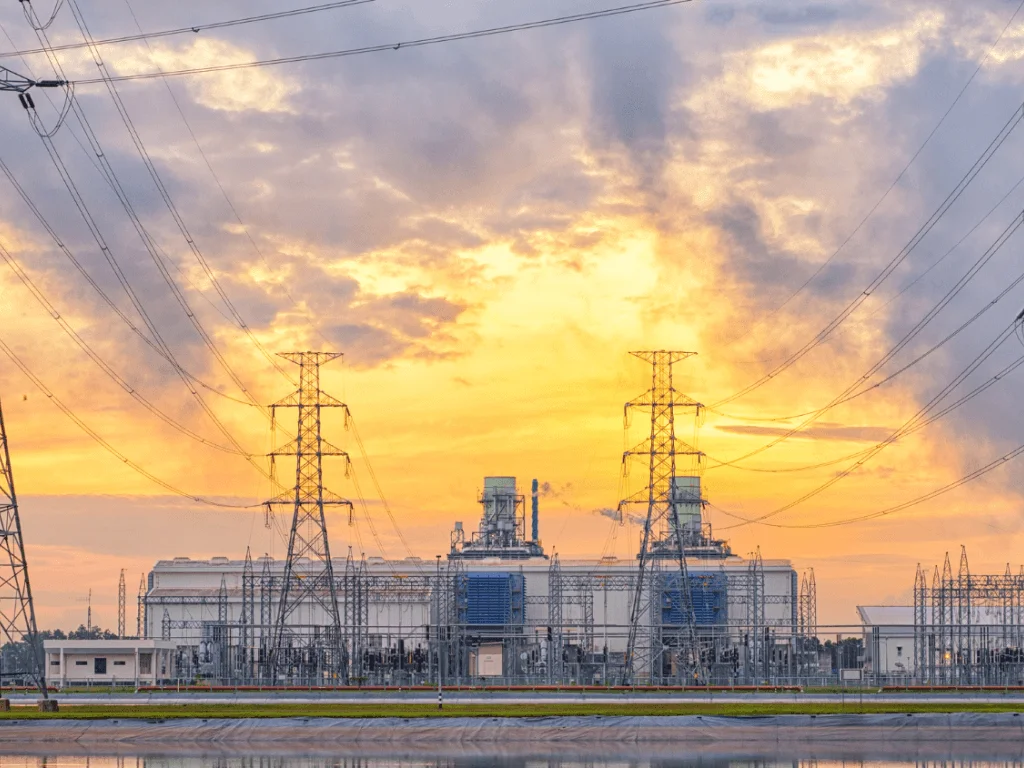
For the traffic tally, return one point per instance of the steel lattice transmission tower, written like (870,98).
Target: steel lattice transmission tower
(17,613)
(122,600)
(309,643)
(140,615)
(664,533)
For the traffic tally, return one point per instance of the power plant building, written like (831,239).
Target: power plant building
(496,608)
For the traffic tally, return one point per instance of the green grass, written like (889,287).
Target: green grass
(496,709)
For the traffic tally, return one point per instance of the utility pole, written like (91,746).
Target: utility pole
(17,612)
(122,596)
(309,572)
(663,532)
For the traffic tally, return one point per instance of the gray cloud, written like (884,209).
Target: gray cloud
(822,431)
(427,152)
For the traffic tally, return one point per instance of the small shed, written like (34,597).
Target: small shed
(132,662)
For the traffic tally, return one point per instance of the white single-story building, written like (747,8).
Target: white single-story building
(133,662)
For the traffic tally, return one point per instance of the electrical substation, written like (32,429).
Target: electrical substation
(496,608)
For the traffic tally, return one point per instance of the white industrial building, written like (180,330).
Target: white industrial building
(110,662)
(186,593)
(985,637)
(496,607)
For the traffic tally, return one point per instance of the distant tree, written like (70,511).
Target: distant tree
(90,633)
(16,664)
(848,653)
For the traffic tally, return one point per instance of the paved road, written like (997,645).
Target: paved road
(291,697)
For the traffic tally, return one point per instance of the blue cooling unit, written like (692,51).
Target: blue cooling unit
(492,599)
(708,591)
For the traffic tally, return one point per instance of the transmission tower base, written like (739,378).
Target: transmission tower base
(48,705)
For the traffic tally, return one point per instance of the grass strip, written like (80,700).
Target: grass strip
(158,712)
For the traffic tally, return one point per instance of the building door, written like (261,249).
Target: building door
(99,666)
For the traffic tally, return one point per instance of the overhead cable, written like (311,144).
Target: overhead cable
(952,293)
(151,248)
(92,159)
(891,299)
(954,195)
(224,193)
(98,359)
(917,501)
(415,43)
(995,379)
(892,185)
(70,256)
(904,429)
(192,29)
(927,353)
(106,445)
(137,223)
(139,306)
(380,492)
(168,200)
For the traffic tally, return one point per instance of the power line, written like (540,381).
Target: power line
(892,186)
(897,434)
(416,43)
(224,193)
(106,445)
(98,359)
(893,298)
(927,353)
(165,194)
(996,378)
(193,29)
(968,478)
(150,246)
(376,484)
(62,112)
(137,223)
(97,236)
(953,292)
(122,279)
(954,195)
(70,256)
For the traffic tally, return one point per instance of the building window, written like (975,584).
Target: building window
(145,663)
(81,663)
(899,650)
(55,663)
(118,663)
(99,666)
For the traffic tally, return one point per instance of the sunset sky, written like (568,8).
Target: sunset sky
(486,228)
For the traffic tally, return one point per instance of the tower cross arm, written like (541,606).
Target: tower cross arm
(292,448)
(287,499)
(663,356)
(314,358)
(323,400)
(670,447)
(677,399)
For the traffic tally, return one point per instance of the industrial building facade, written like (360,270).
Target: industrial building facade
(534,620)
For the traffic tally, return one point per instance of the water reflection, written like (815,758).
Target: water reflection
(690,759)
